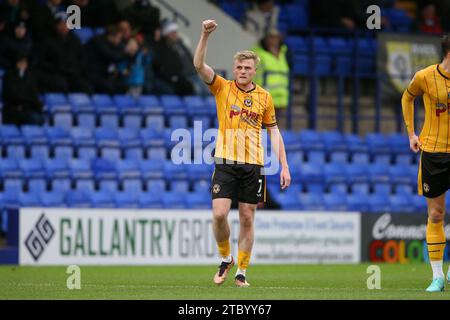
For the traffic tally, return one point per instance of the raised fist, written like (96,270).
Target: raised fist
(209,26)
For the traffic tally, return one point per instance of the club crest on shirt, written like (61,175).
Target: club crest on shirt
(248,102)
(216,188)
(426,187)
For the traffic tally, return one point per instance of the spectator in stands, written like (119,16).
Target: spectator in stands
(43,19)
(21,104)
(103,54)
(14,11)
(145,17)
(273,71)
(173,62)
(96,13)
(262,17)
(429,20)
(12,45)
(61,60)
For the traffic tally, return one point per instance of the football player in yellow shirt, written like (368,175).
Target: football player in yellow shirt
(433,84)
(242,109)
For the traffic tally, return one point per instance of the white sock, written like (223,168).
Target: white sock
(240,271)
(227,259)
(436,266)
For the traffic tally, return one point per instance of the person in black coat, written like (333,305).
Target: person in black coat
(13,44)
(61,61)
(103,55)
(21,103)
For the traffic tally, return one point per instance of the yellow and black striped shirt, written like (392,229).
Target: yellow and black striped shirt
(434,84)
(241,115)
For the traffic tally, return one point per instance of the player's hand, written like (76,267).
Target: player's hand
(285,178)
(209,26)
(414,143)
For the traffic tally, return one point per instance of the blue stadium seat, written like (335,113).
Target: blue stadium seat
(54,199)
(77,199)
(151,200)
(10,200)
(361,157)
(102,199)
(335,173)
(158,153)
(111,154)
(82,137)
(235,9)
(80,169)
(336,201)
(315,187)
(360,188)
(110,121)
(180,186)
(174,172)
(316,157)
(287,202)
(28,199)
(197,109)
(56,168)
(178,122)
(40,152)
(152,169)
(11,134)
(87,120)
(379,203)
(136,154)
(173,105)
(80,102)
(420,203)
(86,185)
(13,185)
(132,185)
(126,104)
(32,168)
(56,102)
(34,134)
(194,200)
(297,44)
(108,185)
(63,120)
(205,121)
(291,141)
(202,186)
(301,65)
(87,153)
(106,137)
(104,169)
(382,159)
(378,143)
(339,157)
(151,137)
(103,103)
(172,200)
(401,203)
(9,168)
(405,189)
(58,136)
(127,169)
(338,187)
(311,140)
(155,185)
(403,159)
(400,174)
(15,152)
(380,188)
(334,141)
(297,18)
(199,172)
(399,144)
(312,201)
(132,121)
(358,202)
(61,185)
(379,173)
(63,152)
(126,200)
(150,105)
(311,172)
(37,186)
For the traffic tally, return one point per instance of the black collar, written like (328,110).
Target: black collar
(254,87)
(442,73)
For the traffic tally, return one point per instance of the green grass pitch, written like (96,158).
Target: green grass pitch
(287,282)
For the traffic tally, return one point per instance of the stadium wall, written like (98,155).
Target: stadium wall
(50,236)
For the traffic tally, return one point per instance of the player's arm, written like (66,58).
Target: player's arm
(278,146)
(413,90)
(205,72)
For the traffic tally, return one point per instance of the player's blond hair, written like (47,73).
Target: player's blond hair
(247,54)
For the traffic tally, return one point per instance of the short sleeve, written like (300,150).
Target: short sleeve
(216,84)
(415,86)
(269,119)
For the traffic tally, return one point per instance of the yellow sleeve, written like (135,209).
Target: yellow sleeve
(269,119)
(216,84)
(412,91)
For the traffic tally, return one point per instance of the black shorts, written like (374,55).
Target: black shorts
(434,174)
(242,181)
